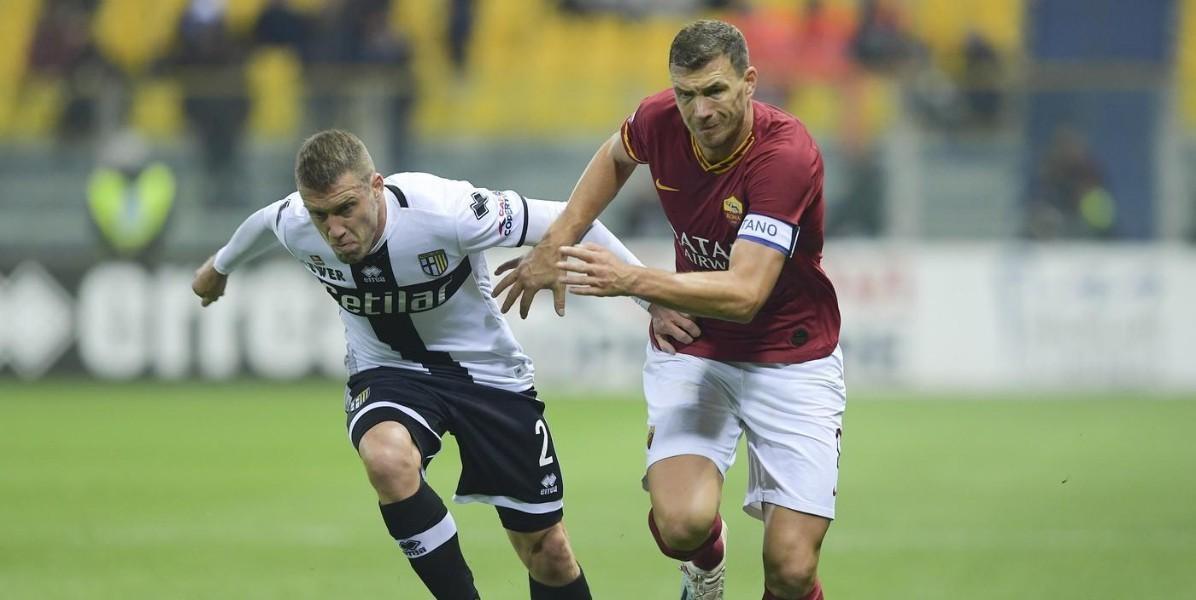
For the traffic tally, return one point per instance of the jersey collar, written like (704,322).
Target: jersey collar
(725,164)
(392,214)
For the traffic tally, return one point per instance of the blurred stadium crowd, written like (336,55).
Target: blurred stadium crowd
(962,119)
(1010,179)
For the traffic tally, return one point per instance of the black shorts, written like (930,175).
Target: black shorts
(507,456)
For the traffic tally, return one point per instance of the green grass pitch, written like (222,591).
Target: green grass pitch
(250,490)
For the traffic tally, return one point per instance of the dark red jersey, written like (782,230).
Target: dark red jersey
(769,191)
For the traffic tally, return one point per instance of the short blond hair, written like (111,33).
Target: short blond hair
(326,156)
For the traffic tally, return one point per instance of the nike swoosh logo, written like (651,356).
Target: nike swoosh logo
(661,186)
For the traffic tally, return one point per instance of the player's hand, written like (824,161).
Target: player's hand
(529,274)
(668,323)
(209,283)
(596,272)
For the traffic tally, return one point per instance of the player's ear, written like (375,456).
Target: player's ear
(377,182)
(749,81)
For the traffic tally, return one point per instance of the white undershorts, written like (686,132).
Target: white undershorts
(792,415)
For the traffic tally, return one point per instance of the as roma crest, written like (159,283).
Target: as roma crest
(733,210)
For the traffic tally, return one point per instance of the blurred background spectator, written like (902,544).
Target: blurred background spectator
(281,25)
(1011,180)
(1069,198)
(63,53)
(209,56)
(460,31)
(938,118)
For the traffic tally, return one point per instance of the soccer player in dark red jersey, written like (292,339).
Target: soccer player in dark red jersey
(741,184)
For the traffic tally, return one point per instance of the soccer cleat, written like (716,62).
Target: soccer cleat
(700,584)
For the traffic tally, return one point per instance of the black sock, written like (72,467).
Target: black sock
(578,589)
(427,535)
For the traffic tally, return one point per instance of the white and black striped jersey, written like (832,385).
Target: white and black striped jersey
(421,299)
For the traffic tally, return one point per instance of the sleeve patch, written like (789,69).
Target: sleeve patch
(771,232)
(506,216)
(479,205)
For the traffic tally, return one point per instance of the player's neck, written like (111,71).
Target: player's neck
(717,155)
(382,213)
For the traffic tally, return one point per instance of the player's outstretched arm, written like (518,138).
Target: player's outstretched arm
(736,294)
(542,214)
(668,326)
(598,185)
(209,283)
(251,238)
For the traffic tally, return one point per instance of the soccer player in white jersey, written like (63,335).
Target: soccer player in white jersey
(428,350)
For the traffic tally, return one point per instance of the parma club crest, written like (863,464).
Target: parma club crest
(733,210)
(433,263)
(352,403)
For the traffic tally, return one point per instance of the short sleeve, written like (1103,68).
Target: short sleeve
(780,188)
(634,136)
(642,129)
(486,219)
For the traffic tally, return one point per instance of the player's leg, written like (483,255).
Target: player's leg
(792,541)
(692,432)
(685,491)
(394,442)
(553,571)
(509,460)
(392,461)
(793,419)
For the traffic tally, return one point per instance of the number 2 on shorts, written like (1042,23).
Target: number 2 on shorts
(542,429)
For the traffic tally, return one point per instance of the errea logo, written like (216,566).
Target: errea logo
(549,484)
(372,274)
(412,548)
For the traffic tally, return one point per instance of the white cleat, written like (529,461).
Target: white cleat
(699,584)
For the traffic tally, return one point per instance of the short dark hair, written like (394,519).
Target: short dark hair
(703,41)
(327,155)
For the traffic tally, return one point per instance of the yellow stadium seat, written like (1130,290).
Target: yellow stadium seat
(423,25)
(16,32)
(274,77)
(943,25)
(879,104)
(816,104)
(157,109)
(241,15)
(39,107)
(1186,63)
(132,33)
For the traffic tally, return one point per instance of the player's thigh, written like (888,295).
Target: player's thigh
(793,417)
(691,410)
(686,491)
(387,415)
(391,459)
(508,456)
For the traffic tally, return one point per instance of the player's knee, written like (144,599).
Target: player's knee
(391,460)
(790,574)
(548,555)
(682,530)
